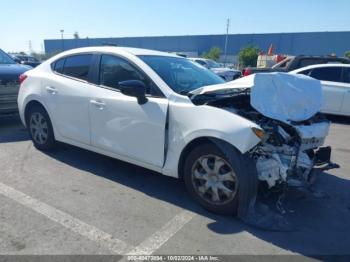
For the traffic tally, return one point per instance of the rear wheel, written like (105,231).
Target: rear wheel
(217,178)
(40,128)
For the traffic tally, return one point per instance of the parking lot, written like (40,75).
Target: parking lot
(72,201)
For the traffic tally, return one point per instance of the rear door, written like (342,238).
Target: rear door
(333,87)
(67,96)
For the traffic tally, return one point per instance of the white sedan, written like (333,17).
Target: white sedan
(335,80)
(227,74)
(168,114)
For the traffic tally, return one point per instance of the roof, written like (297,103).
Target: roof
(320,66)
(114,49)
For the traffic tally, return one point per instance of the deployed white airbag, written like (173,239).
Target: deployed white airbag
(286,97)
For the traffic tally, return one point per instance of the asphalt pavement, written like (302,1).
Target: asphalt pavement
(73,201)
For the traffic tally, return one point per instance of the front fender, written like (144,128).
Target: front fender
(188,122)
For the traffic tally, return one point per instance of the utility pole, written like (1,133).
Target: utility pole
(30,48)
(62,41)
(226,40)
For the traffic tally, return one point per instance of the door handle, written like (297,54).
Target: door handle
(98,104)
(51,90)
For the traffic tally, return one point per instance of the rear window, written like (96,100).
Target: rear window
(77,66)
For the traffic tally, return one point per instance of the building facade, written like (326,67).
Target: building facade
(312,43)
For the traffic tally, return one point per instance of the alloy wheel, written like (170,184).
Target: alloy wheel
(214,179)
(39,128)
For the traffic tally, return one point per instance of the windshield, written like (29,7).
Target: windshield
(5,58)
(181,74)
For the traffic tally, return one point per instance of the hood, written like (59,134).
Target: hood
(244,82)
(281,96)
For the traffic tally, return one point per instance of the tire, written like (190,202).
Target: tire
(40,128)
(242,184)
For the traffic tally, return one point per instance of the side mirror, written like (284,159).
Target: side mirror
(135,88)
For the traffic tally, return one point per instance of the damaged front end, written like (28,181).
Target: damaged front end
(290,153)
(288,156)
(292,131)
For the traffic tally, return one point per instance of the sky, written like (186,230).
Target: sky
(32,21)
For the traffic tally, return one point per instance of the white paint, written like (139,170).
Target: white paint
(114,124)
(336,93)
(104,239)
(159,238)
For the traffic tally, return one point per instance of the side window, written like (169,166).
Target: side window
(32,59)
(114,70)
(58,66)
(333,74)
(77,66)
(347,75)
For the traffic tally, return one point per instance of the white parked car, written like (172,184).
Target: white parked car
(227,74)
(168,114)
(335,80)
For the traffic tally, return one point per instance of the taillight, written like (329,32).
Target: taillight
(22,77)
(247,72)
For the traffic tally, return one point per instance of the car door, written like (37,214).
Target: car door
(67,96)
(346,102)
(118,123)
(333,88)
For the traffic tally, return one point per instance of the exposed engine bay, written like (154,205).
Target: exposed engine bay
(286,108)
(288,153)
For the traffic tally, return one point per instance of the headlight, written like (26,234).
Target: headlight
(258,132)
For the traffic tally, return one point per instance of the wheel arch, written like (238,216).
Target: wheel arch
(31,104)
(195,142)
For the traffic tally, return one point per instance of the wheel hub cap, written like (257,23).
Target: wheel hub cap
(214,179)
(38,128)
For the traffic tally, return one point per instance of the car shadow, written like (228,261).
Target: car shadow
(321,218)
(12,130)
(339,119)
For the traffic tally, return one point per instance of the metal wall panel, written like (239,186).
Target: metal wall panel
(317,43)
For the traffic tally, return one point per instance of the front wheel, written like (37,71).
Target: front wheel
(40,128)
(220,178)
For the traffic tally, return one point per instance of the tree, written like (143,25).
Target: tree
(214,54)
(76,35)
(347,54)
(248,56)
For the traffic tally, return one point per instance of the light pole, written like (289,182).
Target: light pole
(226,39)
(62,41)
